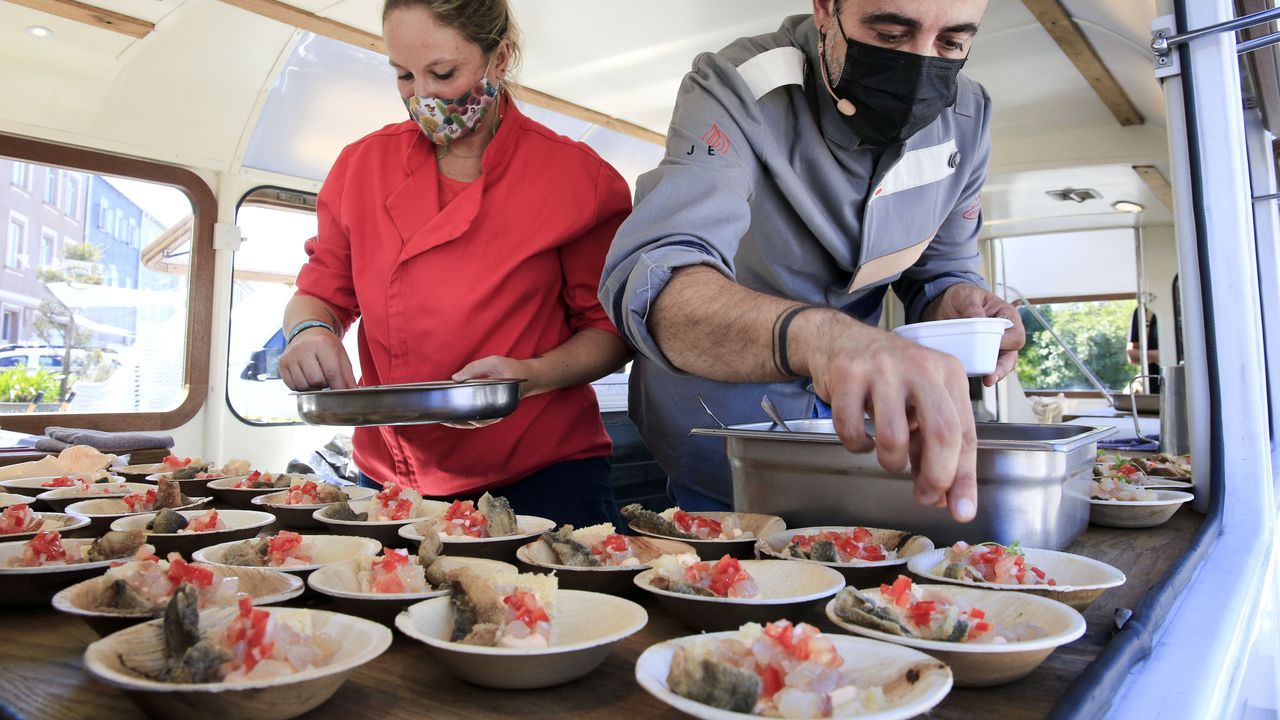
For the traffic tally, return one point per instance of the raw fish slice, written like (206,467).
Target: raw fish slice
(651,522)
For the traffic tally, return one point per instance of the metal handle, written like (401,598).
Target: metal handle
(1075,359)
(1162,44)
(1133,402)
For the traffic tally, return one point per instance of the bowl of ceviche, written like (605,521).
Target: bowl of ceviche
(140,589)
(250,663)
(1135,507)
(712,534)
(296,507)
(986,637)
(379,588)
(725,593)
(488,528)
(596,558)
(289,552)
(31,571)
(718,676)
(185,531)
(519,631)
(1067,578)
(20,522)
(864,556)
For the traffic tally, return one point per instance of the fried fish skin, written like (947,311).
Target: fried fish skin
(478,612)
(115,545)
(652,522)
(249,553)
(570,551)
(497,510)
(120,596)
(713,683)
(342,511)
(167,521)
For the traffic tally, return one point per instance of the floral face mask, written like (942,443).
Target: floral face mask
(444,120)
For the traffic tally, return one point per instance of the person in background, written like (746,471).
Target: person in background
(807,171)
(1134,352)
(469,241)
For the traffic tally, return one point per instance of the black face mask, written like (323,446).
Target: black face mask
(895,94)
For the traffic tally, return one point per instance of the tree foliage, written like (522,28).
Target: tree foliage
(1098,332)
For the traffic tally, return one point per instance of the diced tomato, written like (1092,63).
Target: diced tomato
(175,462)
(802,541)
(463,514)
(526,608)
(181,571)
(616,543)
(703,527)
(16,518)
(978,629)
(977,613)
(205,522)
(1037,572)
(771,680)
(921,612)
(282,546)
(46,546)
(58,482)
(726,573)
(899,593)
(1127,470)
(140,502)
(861,535)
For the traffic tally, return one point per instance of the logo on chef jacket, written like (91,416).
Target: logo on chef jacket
(973,211)
(717,141)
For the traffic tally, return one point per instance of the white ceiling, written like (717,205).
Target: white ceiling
(191,92)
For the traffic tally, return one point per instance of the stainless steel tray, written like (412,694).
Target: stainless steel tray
(1033,482)
(411,403)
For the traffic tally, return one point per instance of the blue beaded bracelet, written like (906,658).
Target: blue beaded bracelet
(307,325)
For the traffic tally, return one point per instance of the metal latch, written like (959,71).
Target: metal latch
(1164,39)
(226,236)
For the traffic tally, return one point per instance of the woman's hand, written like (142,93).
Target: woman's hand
(316,359)
(495,366)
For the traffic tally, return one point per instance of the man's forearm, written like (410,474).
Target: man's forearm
(708,325)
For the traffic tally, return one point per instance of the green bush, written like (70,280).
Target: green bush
(21,385)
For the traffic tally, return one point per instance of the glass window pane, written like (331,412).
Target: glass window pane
(74,291)
(266,266)
(1099,332)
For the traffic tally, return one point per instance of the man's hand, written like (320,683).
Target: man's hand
(316,359)
(918,398)
(970,301)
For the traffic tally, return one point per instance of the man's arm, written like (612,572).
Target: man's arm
(710,326)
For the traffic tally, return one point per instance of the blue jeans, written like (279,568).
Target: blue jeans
(694,501)
(574,492)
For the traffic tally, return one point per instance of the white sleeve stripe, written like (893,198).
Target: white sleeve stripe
(772,69)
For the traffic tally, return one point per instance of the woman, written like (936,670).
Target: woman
(470,241)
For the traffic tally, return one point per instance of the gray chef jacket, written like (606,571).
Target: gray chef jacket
(764,181)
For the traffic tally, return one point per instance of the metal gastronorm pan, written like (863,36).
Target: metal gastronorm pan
(1033,482)
(411,404)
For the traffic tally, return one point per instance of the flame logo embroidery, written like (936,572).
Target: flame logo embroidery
(718,139)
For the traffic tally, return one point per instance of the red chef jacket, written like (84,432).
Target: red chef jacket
(509,267)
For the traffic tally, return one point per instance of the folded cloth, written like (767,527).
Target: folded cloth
(1149,442)
(108,441)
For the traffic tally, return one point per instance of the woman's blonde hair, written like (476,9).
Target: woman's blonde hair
(484,22)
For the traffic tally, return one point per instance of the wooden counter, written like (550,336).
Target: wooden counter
(41,675)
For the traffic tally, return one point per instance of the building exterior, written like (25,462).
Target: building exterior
(43,209)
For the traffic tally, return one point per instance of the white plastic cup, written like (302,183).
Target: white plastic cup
(975,341)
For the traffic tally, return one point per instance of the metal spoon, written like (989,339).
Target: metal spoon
(772,411)
(713,415)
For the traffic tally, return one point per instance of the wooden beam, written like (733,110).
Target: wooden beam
(90,15)
(311,22)
(1064,31)
(1158,183)
(303,20)
(575,110)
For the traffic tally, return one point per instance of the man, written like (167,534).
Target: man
(807,171)
(1134,352)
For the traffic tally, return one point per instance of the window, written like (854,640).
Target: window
(21,177)
(11,326)
(1098,332)
(12,360)
(16,244)
(51,187)
(264,273)
(134,354)
(132,237)
(48,248)
(71,197)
